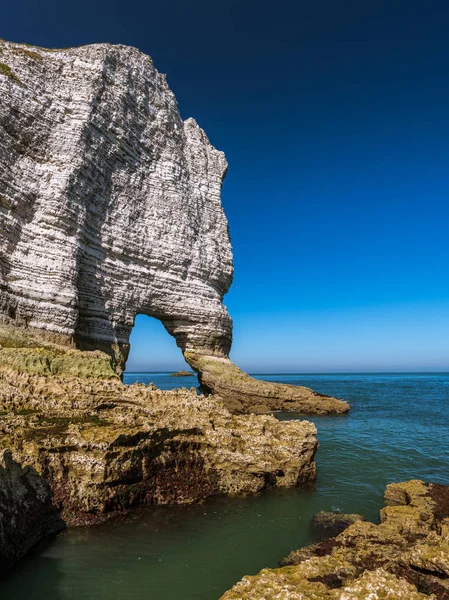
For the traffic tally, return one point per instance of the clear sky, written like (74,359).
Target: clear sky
(334,117)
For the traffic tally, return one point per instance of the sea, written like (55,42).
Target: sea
(397,430)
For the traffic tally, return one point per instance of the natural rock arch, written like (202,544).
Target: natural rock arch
(152,348)
(110,207)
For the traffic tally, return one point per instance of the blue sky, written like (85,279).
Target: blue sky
(334,119)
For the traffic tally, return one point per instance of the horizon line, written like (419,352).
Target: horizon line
(309,372)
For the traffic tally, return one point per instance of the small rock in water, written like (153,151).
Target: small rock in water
(182,374)
(332,523)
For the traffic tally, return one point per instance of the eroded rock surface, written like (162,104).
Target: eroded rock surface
(406,557)
(104,447)
(243,393)
(110,203)
(110,207)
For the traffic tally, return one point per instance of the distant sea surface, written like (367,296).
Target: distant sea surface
(164,381)
(397,429)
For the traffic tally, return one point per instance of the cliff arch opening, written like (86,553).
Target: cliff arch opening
(152,350)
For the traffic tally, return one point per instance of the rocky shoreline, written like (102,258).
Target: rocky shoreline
(242,393)
(405,557)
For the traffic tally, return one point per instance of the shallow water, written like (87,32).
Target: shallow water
(396,430)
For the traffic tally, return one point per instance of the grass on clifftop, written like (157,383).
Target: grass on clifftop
(26,52)
(8,72)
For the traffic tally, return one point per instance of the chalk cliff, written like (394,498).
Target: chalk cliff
(110,207)
(110,203)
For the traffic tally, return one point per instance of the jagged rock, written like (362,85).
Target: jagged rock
(26,511)
(295,557)
(110,207)
(405,557)
(371,585)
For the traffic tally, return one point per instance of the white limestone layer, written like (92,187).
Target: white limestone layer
(109,203)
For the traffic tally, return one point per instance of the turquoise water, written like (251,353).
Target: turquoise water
(396,430)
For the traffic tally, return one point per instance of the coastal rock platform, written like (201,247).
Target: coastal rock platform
(96,448)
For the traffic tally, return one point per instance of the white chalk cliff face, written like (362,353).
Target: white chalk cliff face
(109,202)
(110,207)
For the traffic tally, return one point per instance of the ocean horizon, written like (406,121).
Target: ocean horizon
(284,373)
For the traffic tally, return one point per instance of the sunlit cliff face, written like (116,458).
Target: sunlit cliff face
(109,203)
(110,207)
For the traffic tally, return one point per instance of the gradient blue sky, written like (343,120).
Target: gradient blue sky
(334,117)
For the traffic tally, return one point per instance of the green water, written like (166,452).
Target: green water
(396,430)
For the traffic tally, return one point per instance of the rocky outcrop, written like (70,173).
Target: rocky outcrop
(182,374)
(26,510)
(110,207)
(243,393)
(406,557)
(104,447)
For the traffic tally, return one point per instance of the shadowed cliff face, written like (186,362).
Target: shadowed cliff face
(26,510)
(110,207)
